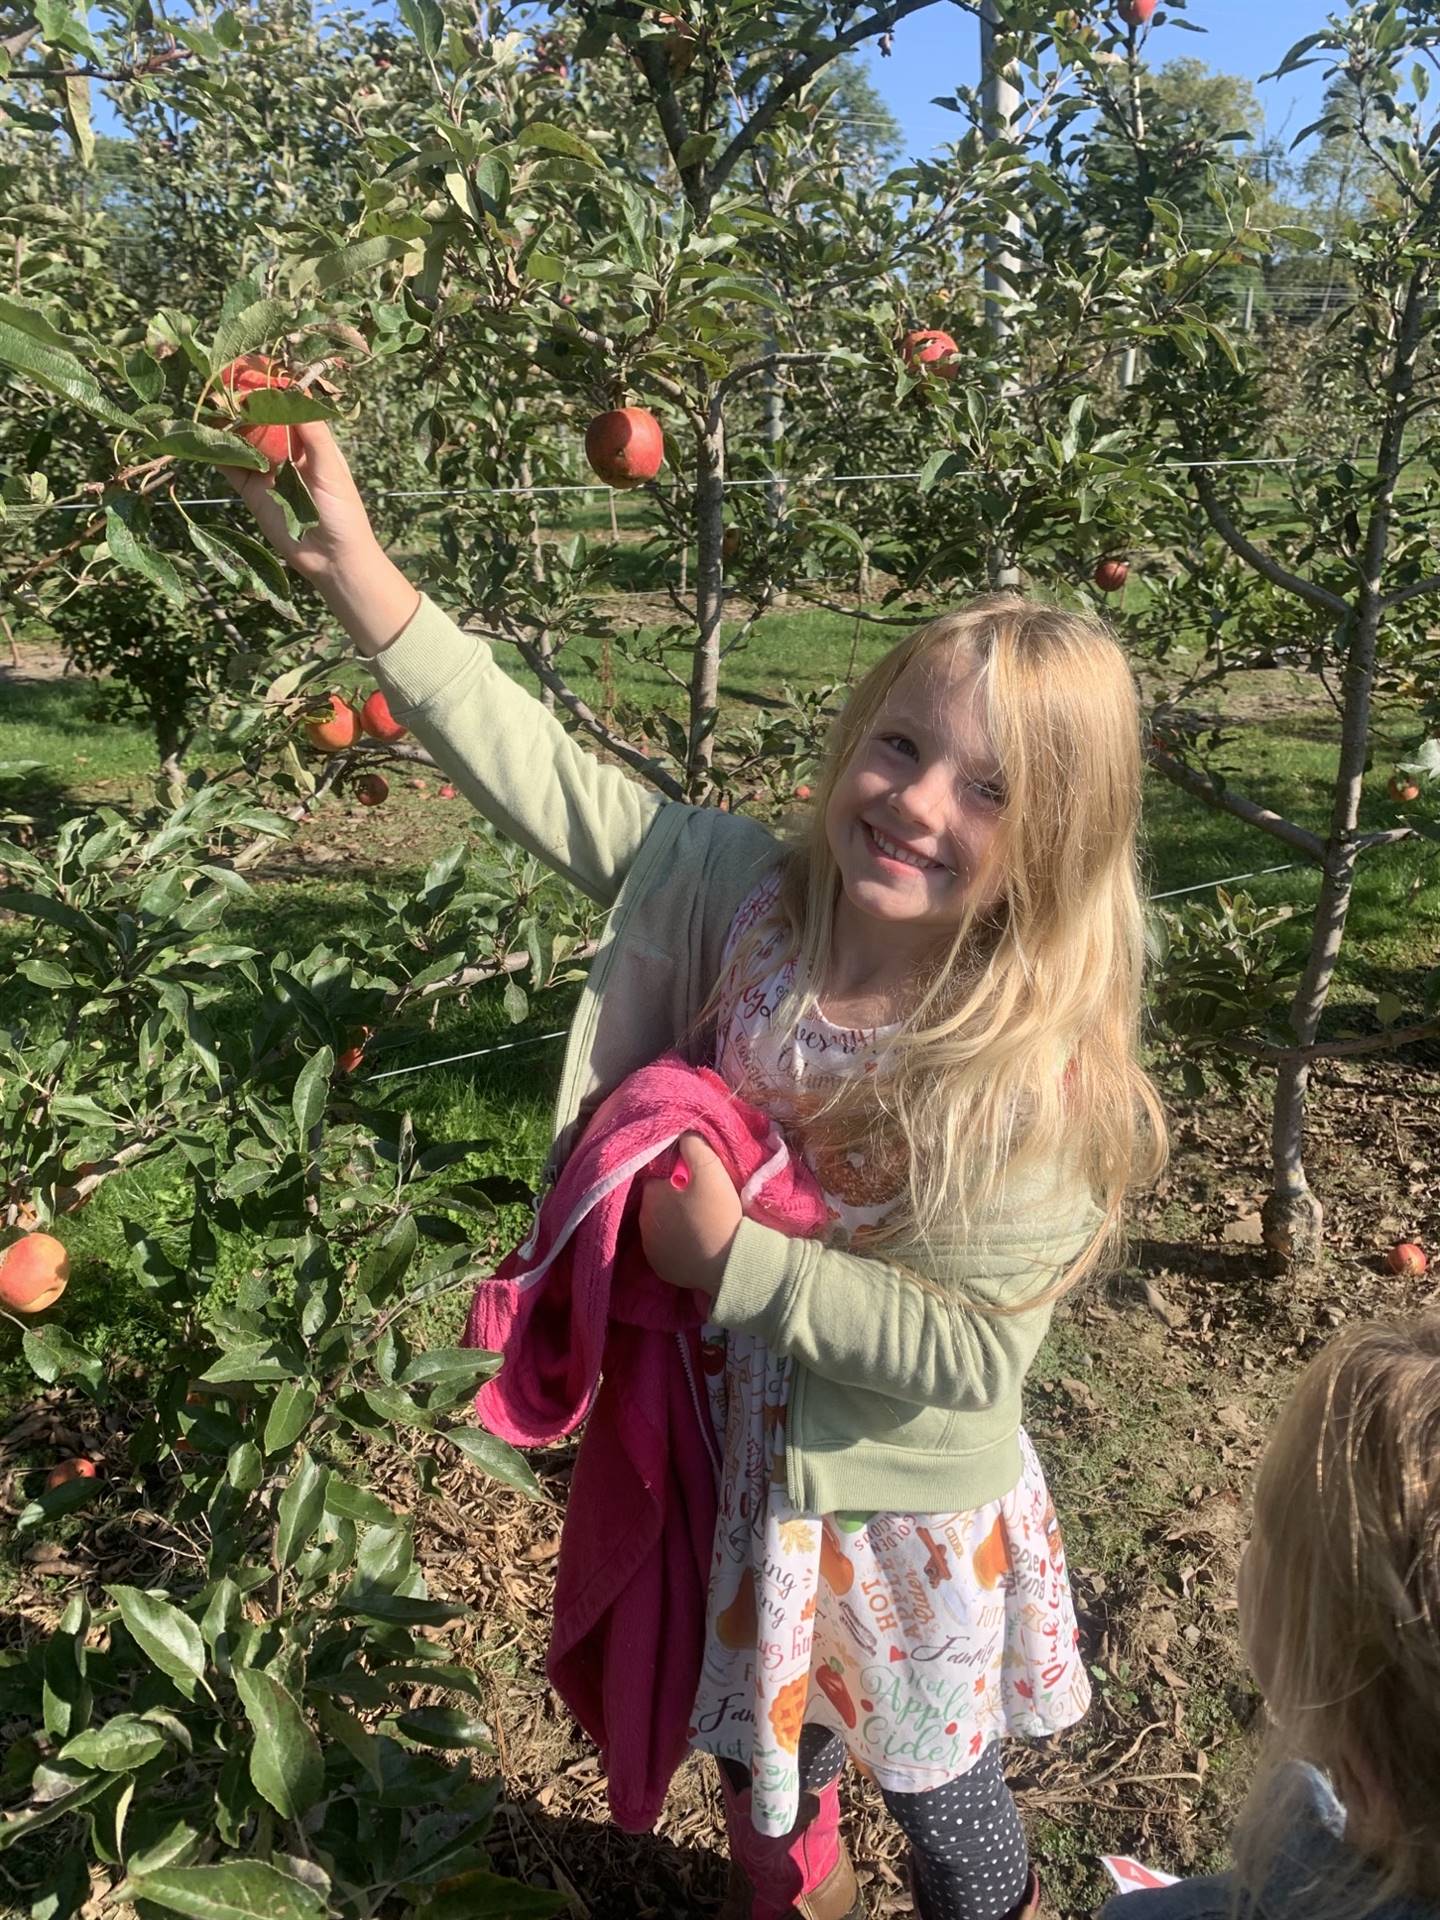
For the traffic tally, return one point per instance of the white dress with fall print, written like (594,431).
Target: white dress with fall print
(919,1638)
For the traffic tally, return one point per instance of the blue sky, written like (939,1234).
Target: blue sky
(938,49)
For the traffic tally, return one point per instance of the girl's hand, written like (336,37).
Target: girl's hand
(344,540)
(340,556)
(687,1231)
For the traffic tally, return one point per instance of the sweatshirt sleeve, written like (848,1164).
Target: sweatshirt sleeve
(511,757)
(865,1323)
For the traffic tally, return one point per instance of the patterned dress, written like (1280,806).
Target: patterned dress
(918,1637)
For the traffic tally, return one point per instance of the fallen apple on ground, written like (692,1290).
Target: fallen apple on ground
(1407,1257)
(372,789)
(67,1470)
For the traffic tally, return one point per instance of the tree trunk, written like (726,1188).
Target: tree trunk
(544,645)
(1292,1216)
(709,598)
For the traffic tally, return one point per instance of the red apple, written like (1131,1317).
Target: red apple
(730,545)
(625,446)
(33,1273)
(931,351)
(1136,13)
(1111,574)
(1409,1258)
(377,720)
(341,730)
(1403,788)
(802,792)
(372,789)
(248,374)
(353,1052)
(447,792)
(66,1470)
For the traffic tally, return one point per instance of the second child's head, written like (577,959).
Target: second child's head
(975,832)
(1340,1596)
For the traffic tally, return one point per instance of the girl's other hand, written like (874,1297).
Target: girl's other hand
(687,1231)
(343,540)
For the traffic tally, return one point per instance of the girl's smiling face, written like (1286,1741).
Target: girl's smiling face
(914,818)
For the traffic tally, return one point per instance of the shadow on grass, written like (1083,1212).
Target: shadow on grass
(620,1876)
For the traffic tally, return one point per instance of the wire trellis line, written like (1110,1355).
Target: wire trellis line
(535,1039)
(775,480)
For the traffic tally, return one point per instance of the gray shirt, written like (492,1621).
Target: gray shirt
(1312,1855)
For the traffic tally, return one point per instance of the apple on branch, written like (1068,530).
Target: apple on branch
(34,1271)
(626,446)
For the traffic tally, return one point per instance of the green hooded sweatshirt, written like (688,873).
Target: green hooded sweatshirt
(902,1400)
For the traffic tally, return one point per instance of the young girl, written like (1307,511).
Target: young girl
(1340,1616)
(935,990)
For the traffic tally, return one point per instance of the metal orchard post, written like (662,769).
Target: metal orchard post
(1000,103)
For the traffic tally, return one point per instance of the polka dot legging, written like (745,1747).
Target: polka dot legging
(967,1846)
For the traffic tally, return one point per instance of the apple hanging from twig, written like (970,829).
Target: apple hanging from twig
(626,446)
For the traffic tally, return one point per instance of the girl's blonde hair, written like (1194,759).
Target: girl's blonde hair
(1341,1608)
(1022,1044)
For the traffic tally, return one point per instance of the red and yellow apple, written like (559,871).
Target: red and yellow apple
(626,446)
(377,720)
(928,350)
(1403,789)
(341,730)
(249,374)
(1407,1257)
(33,1273)
(67,1470)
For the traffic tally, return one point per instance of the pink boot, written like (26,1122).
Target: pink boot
(802,1875)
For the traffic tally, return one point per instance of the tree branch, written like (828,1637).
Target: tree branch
(1254,557)
(1412,592)
(1208,790)
(1361,1043)
(767,360)
(544,671)
(800,77)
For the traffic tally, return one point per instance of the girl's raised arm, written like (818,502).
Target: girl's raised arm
(513,759)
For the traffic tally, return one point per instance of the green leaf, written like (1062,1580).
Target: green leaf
(77,117)
(444,1727)
(481,1895)
(553,139)
(311,1089)
(386,1265)
(121,1745)
(290,1414)
(31,345)
(361,256)
(285,1762)
(238,1890)
(299,1509)
(356,1503)
(53,1355)
(167,1637)
(497,1458)
(399,1609)
(211,446)
(426,21)
(451,1367)
(250,1365)
(255,325)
